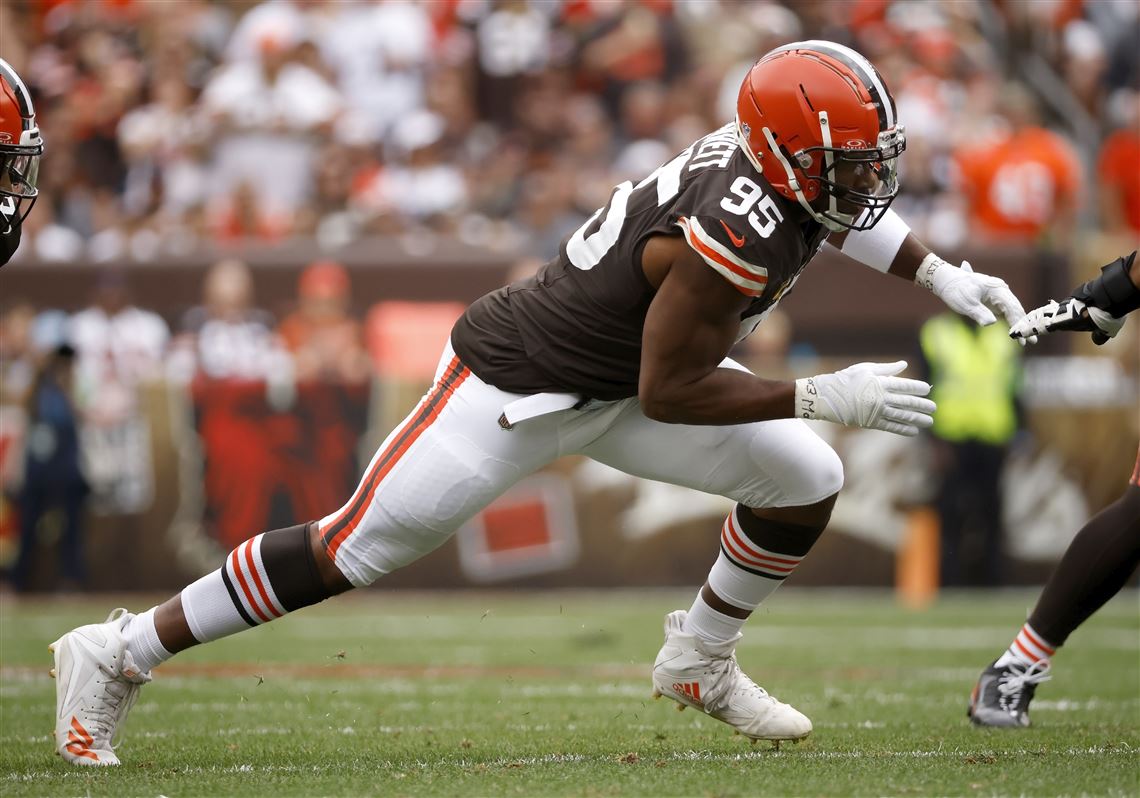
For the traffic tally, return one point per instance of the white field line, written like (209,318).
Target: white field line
(477,630)
(244,693)
(529,728)
(400,770)
(926,638)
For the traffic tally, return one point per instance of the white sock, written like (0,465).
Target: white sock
(711,625)
(210,608)
(1027,649)
(735,586)
(143,643)
(744,574)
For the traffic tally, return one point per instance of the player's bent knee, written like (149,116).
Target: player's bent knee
(819,475)
(297,569)
(830,474)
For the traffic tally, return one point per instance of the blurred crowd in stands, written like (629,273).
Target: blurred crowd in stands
(170,125)
(266,398)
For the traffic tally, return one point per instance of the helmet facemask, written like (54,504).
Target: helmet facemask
(19,173)
(856,184)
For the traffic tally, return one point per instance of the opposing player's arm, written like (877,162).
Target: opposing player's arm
(1098,306)
(690,327)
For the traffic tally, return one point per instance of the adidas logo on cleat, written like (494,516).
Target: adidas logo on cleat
(79,741)
(689,690)
(707,677)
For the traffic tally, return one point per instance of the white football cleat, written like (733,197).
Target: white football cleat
(706,676)
(97,682)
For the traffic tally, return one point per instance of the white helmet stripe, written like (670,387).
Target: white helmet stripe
(23,96)
(828,158)
(869,74)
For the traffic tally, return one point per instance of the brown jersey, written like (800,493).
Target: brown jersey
(576,326)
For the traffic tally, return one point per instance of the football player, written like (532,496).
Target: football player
(1104,553)
(20,151)
(617,350)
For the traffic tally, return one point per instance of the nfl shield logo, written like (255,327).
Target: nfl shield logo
(746,130)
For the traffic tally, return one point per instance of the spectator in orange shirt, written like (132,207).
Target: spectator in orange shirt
(325,340)
(331,368)
(1118,167)
(1023,186)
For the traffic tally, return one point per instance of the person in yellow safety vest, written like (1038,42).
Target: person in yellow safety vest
(976,373)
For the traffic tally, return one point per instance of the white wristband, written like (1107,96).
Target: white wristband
(807,398)
(878,246)
(925,274)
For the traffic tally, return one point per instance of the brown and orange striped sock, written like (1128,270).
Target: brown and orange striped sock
(756,556)
(1028,648)
(264,578)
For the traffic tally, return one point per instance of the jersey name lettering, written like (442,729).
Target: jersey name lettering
(715,150)
(585,249)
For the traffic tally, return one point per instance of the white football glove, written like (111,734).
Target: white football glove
(867,395)
(1068,314)
(971,294)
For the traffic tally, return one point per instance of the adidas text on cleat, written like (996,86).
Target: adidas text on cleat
(705,676)
(97,682)
(1002,695)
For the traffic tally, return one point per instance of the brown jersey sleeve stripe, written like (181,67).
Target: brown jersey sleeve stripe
(430,411)
(747,278)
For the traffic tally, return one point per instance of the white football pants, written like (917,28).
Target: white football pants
(451,457)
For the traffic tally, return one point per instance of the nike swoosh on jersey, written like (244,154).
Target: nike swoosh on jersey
(738,241)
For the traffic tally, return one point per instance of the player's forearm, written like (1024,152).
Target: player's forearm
(909,257)
(723,396)
(888,247)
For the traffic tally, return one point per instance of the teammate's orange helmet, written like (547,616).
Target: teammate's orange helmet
(817,120)
(20,149)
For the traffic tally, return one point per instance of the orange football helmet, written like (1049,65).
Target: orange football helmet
(816,118)
(20,149)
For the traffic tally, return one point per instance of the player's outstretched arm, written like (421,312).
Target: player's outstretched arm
(890,247)
(1099,306)
(691,326)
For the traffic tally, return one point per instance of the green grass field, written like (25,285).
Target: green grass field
(548,694)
